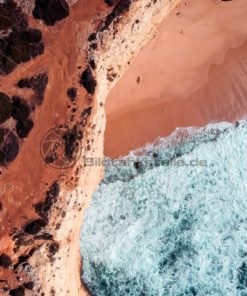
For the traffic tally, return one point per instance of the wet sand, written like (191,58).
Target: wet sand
(193,72)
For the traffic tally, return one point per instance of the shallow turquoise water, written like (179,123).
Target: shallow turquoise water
(160,225)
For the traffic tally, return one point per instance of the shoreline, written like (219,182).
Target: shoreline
(175,91)
(43,218)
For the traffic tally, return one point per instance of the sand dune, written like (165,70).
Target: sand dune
(193,72)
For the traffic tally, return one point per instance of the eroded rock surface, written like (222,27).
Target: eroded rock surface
(53,83)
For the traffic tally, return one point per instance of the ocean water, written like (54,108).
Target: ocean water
(171,218)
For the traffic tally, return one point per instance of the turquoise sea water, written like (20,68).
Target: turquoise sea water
(172,218)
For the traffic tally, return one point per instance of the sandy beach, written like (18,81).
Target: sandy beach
(192,73)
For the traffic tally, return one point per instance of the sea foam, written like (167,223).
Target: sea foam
(156,227)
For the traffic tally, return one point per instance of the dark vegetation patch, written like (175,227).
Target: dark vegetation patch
(92,37)
(50,158)
(35,226)
(22,43)
(65,150)
(121,8)
(70,142)
(94,45)
(29,285)
(37,83)
(43,208)
(72,93)
(111,2)
(19,47)
(23,128)
(5,107)
(51,11)
(11,16)
(5,261)
(9,146)
(88,81)
(24,83)
(20,108)
(19,291)
(31,36)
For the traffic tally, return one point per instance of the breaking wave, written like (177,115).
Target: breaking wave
(172,218)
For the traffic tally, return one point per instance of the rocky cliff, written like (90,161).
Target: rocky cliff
(58,61)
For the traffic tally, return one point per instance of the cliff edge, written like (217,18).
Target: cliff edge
(58,61)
